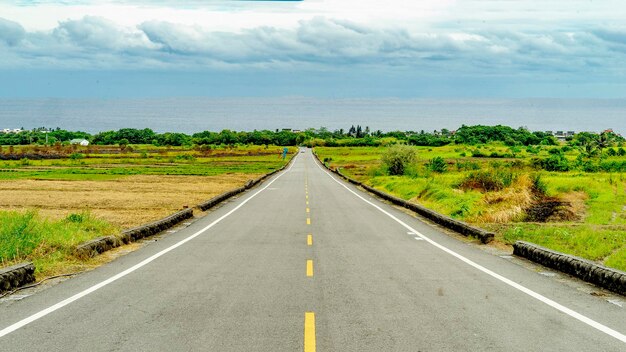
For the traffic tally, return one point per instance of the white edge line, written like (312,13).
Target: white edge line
(551,303)
(9,329)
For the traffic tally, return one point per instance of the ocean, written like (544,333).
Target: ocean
(198,114)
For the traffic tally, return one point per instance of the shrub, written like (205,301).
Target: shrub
(397,158)
(621,151)
(491,180)
(555,162)
(76,156)
(477,154)
(437,164)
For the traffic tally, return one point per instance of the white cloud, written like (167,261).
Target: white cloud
(95,42)
(11,33)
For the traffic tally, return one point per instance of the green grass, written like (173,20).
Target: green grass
(583,241)
(600,235)
(49,244)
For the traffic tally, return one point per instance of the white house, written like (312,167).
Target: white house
(82,142)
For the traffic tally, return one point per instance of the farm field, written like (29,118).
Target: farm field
(48,206)
(576,212)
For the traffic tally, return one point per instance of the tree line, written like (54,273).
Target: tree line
(354,136)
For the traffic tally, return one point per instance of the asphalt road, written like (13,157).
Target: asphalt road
(307,262)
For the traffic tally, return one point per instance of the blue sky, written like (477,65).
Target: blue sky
(340,48)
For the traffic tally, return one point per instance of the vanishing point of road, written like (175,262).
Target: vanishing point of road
(306,262)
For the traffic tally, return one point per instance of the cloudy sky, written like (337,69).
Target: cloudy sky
(325,48)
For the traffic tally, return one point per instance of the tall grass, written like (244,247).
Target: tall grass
(582,240)
(27,236)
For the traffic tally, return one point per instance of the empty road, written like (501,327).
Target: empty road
(306,262)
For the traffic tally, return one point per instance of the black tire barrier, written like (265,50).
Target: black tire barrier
(611,279)
(443,220)
(17,275)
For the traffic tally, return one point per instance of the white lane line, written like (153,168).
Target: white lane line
(43,313)
(546,300)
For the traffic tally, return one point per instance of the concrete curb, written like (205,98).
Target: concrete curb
(446,221)
(611,279)
(102,244)
(17,275)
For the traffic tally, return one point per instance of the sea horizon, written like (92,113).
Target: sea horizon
(195,114)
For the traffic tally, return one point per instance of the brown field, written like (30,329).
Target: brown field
(126,201)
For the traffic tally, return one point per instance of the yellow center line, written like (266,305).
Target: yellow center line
(309,332)
(309,240)
(308,221)
(307,202)
(307,196)
(308,210)
(309,268)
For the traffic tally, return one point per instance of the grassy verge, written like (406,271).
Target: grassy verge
(48,243)
(504,194)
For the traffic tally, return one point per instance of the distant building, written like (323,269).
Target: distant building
(82,142)
(8,130)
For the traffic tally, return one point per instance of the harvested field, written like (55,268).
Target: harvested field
(125,201)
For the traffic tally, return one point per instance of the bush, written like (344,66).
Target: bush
(477,154)
(76,156)
(397,158)
(492,180)
(555,162)
(437,164)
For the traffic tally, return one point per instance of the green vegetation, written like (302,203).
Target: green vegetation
(97,163)
(553,195)
(397,158)
(49,244)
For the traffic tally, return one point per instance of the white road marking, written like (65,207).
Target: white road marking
(617,302)
(418,239)
(506,256)
(539,297)
(547,273)
(9,329)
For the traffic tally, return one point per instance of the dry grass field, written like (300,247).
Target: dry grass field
(126,201)
(47,207)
